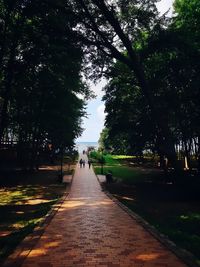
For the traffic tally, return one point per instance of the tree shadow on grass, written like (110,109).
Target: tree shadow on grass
(19,221)
(25,198)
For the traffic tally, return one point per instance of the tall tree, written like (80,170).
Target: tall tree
(114,29)
(41,103)
(128,116)
(172,67)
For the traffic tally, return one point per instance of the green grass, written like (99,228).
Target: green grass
(24,204)
(23,207)
(122,172)
(122,157)
(173,210)
(112,163)
(126,174)
(110,159)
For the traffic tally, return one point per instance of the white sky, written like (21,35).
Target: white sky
(94,124)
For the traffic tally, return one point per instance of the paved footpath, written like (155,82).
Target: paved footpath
(90,230)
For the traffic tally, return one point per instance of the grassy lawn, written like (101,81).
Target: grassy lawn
(124,172)
(128,175)
(24,200)
(173,209)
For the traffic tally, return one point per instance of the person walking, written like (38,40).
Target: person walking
(81,163)
(89,163)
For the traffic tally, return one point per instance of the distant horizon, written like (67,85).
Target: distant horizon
(86,142)
(83,145)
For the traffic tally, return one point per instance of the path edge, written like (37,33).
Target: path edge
(187,257)
(17,257)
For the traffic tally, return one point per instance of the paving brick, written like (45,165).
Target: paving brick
(90,229)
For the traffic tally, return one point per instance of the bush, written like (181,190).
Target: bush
(97,157)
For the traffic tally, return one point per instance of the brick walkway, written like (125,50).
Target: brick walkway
(89,229)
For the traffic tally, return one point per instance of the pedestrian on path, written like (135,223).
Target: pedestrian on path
(89,163)
(81,163)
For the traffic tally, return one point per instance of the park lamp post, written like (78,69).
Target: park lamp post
(61,162)
(102,161)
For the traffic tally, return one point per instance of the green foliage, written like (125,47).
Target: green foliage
(128,175)
(187,17)
(122,172)
(96,156)
(103,141)
(128,115)
(40,77)
(171,62)
(101,24)
(110,160)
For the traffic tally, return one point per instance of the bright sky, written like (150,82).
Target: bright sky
(94,124)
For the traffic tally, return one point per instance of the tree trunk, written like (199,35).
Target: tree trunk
(187,156)
(7,91)
(199,154)
(162,127)
(61,164)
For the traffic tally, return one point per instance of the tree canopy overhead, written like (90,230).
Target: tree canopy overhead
(41,64)
(118,30)
(170,60)
(149,59)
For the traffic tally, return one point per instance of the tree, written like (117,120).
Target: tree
(172,72)
(187,22)
(40,92)
(128,118)
(104,143)
(115,29)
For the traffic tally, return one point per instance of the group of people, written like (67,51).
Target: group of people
(82,163)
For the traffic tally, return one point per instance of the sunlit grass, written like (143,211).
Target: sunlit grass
(22,208)
(128,175)
(16,194)
(123,157)
(21,194)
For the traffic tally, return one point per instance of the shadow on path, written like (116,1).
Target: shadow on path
(89,229)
